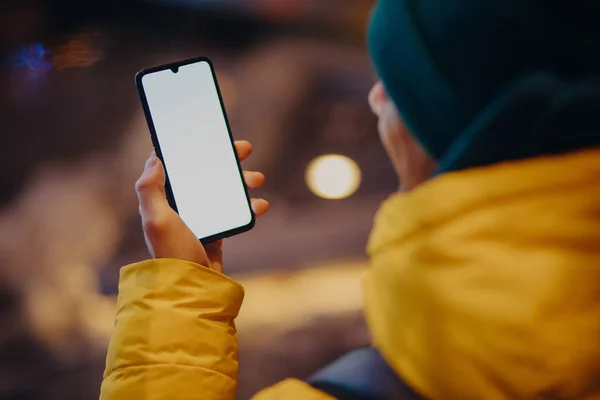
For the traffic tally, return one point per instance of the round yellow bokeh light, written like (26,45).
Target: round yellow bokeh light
(333,176)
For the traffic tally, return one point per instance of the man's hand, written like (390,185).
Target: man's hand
(167,236)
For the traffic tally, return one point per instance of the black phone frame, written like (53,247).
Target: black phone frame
(174,67)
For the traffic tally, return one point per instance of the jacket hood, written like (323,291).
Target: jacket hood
(486,283)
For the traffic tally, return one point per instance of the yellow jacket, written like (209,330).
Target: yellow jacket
(485,284)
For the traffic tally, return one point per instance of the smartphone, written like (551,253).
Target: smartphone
(191,135)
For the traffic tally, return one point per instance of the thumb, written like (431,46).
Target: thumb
(150,187)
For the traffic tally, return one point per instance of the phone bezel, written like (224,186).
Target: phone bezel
(155,143)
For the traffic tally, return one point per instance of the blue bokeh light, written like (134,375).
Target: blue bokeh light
(35,58)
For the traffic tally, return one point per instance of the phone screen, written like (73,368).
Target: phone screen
(191,132)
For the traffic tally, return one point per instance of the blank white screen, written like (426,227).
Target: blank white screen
(197,151)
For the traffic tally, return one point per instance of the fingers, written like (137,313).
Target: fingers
(259,206)
(150,187)
(254,180)
(214,251)
(243,149)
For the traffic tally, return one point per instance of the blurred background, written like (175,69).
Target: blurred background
(294,76)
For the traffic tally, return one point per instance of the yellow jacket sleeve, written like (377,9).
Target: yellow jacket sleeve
(174,336)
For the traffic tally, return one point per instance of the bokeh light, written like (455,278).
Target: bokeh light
(333,176)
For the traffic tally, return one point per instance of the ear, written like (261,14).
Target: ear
(377,98)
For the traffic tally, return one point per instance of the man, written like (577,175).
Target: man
(485,278)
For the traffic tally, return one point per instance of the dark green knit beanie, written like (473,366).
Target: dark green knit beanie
(459,69)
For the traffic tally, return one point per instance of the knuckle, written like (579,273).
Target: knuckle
(155,224)
(141,184)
